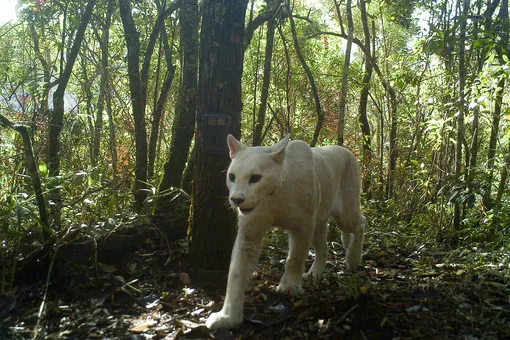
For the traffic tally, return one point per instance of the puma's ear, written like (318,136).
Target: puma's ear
(234,146)
(278,149)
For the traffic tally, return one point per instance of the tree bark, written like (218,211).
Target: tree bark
(183,127)
(212,223)
(345,73)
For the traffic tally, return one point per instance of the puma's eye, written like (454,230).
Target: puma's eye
(255,178)
(232,177)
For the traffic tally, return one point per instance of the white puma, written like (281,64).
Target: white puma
(296,188)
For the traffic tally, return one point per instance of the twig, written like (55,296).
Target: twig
(41,308)
(346,314)
(341,319)
(86,194)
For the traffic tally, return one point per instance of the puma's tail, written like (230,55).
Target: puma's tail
(355,249)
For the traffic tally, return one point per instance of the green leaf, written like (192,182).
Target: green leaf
(43,169)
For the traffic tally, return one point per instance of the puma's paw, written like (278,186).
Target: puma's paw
(221,320)
(311,277)
(289,289)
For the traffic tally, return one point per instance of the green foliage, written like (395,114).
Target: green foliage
(422,68)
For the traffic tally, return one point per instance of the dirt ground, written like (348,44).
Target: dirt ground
(427,293)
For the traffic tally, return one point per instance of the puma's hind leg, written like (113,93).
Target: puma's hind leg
(354,252)
(353,229)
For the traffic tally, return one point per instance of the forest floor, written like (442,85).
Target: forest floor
(426,292)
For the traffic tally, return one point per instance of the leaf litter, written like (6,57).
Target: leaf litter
(428,294)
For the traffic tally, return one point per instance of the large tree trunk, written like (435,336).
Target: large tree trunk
(184,122)
(257,134)
(221,66)
(363,102)
(345,73)
(57,116)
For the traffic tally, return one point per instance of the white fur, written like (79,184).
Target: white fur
(300,189)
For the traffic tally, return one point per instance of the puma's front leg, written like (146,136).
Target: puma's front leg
(244,258)
(299,244)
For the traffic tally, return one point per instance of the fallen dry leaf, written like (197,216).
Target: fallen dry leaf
(144,326)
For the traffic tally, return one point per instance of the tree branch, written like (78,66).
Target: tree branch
(152,41)
(258,21)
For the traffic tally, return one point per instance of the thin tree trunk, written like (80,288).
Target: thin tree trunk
(266,81)
(381,149)
(160,105)
(345,73)
(46,68)
(473,148)
(112,137)
(315,92)
(137,101)
(461,108)
(212,223)
(57,116)
(158,113)
(498,103)
(392,159)
(392,108)
(104,42)
(271,11)
(287,78)
(86,88)
(501,189)
(183,127)
(33,173)
(255,86)
(363,102)
(138,80)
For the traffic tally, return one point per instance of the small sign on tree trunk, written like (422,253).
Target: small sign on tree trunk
(214,127)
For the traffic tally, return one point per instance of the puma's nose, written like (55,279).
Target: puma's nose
(237,201)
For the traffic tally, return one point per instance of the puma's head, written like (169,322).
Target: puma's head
(254,174)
